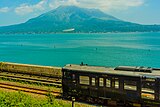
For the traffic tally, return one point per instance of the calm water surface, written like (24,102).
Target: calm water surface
(139,49)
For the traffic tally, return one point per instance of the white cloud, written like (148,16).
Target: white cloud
(26,8)
(105,5)
(23,9)
(55,3)
(4,10)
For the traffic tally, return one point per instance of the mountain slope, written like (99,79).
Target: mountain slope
(71,14)
(81,19)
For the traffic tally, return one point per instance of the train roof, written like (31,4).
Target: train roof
(121,70)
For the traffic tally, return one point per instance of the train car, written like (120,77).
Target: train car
(120,86)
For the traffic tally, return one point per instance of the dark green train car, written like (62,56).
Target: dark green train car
(123,86)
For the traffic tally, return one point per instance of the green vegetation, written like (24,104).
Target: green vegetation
(19,99)
(1,65)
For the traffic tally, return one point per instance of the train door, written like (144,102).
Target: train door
(115,87)
(66,83)
(84,85)
(101,87)
(69,82)
(108,85)
(93,86)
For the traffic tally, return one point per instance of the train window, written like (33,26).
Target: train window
(101,82)
(148,87)
(150,79)
(108,83)
(93,81)
(149,90)
(116,83)
(130,85)
(73,76)
(67,75)
(147,96)
(84,80)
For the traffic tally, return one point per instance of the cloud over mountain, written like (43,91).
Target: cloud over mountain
(27,8)
(105,5)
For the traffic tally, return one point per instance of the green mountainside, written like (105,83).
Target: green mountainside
(80,20)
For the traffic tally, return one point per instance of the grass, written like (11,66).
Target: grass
(19,99)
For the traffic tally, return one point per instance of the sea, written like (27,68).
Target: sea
(99,49)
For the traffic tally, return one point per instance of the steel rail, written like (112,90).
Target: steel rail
(29,89)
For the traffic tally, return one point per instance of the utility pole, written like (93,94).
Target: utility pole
(73,100)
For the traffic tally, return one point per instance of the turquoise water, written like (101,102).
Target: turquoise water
(138,49)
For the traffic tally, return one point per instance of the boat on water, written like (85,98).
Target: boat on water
(68,30)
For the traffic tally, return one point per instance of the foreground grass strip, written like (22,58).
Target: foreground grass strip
(19,99)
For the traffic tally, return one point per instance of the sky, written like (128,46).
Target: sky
(137,11)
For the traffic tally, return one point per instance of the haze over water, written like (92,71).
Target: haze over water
(111,49)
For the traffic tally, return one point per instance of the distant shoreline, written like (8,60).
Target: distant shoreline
(84,33)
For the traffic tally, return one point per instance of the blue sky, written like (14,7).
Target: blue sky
(138,11)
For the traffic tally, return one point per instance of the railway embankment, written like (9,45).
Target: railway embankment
(37,70)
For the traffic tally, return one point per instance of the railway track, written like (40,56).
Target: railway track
(29,89)
(31,79)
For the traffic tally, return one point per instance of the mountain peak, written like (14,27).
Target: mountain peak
(67,6)
(91,13)
(70,13)
(76,19)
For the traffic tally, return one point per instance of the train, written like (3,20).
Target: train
(130,86)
